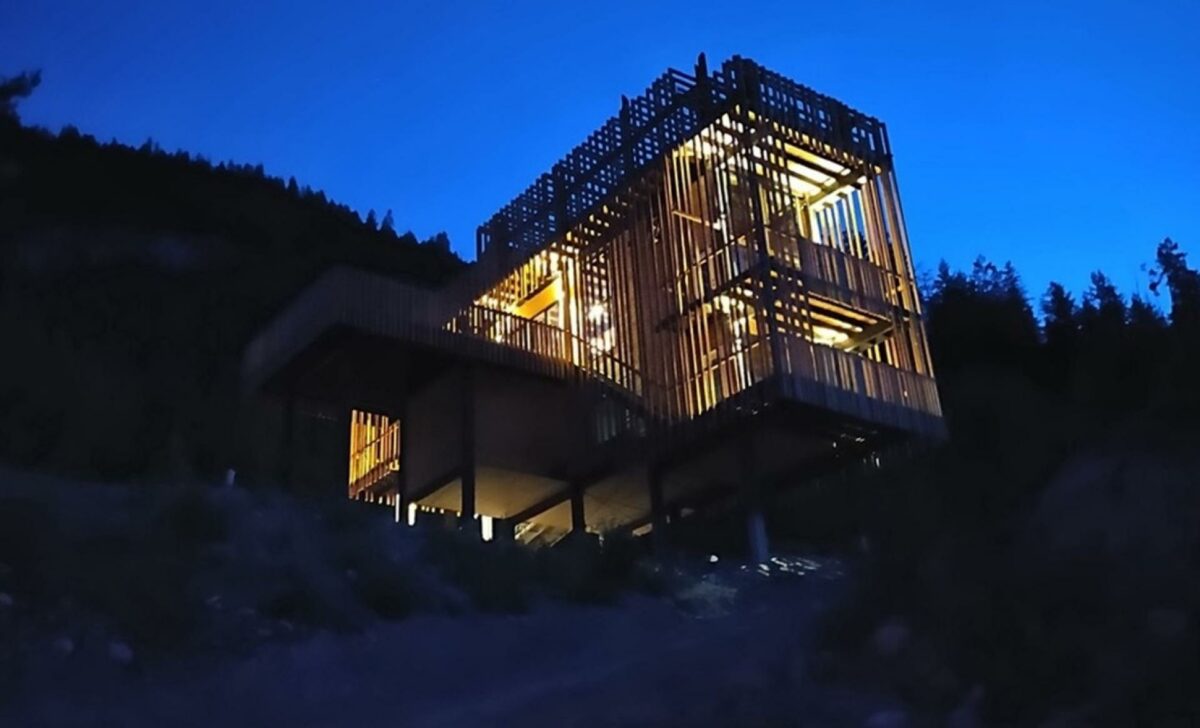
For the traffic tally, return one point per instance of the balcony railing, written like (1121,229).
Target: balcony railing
(815,374)
(859,387)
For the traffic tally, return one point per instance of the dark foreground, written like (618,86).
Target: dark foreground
(738,655)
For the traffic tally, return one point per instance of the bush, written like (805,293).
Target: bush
(139,587)
(598,572)
(299,600)
(30,543)
(504,577)
(387,591)
(192,517)
(497,577)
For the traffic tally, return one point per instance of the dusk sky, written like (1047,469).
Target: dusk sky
(1064,136)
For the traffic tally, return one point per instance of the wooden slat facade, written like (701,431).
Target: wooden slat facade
(727,241)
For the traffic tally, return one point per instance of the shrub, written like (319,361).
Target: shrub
(140,587)
(598,572)
(387,591)
(298,600)
(30,543)
(192,517)
(497,577)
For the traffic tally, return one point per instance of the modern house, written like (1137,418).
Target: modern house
(709,298)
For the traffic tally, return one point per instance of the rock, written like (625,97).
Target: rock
(1073,718)
(891,637)
(120,653)
(795,668)
(6,600)
(1167,625)
(966,715)
(887,719)
(64,646)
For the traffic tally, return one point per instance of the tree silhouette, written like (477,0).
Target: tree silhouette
(133,279)
(1103,312)
(1182,282)
(1060,331)
(1059,314)
(15,88)
(981,319)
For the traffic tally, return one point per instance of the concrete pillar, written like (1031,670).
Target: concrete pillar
(756,537)
(758,549)
(467,456)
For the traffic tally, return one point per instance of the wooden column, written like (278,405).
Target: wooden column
(503,530)
(467,456)
(578,521)
(658,511)
(403,458)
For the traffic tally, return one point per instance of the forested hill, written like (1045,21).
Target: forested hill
(55,183)
(130,281)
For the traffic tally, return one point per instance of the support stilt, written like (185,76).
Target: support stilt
(467,509)
(503,530)
(658,511)
(757,544)
(578,521)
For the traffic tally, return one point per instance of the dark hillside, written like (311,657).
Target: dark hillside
(1041,564)
(130,280)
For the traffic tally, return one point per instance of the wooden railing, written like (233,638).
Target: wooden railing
(819,375)
(508,329)
(545,340)
(856,386)
(379,305)
(341,296)
(839,276)
(344,297)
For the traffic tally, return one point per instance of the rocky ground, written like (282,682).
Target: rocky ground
(737,651)
(722,645)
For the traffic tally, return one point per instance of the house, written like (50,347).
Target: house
(709,298)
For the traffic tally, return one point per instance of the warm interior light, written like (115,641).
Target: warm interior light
(604,342)
(597,313)
(828,337)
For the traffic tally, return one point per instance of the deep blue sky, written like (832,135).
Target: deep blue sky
(1064,136)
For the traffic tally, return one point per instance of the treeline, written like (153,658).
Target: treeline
(1040,564)
(131,280)
(1110,354)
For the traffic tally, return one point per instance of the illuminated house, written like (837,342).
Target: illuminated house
(708,299)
